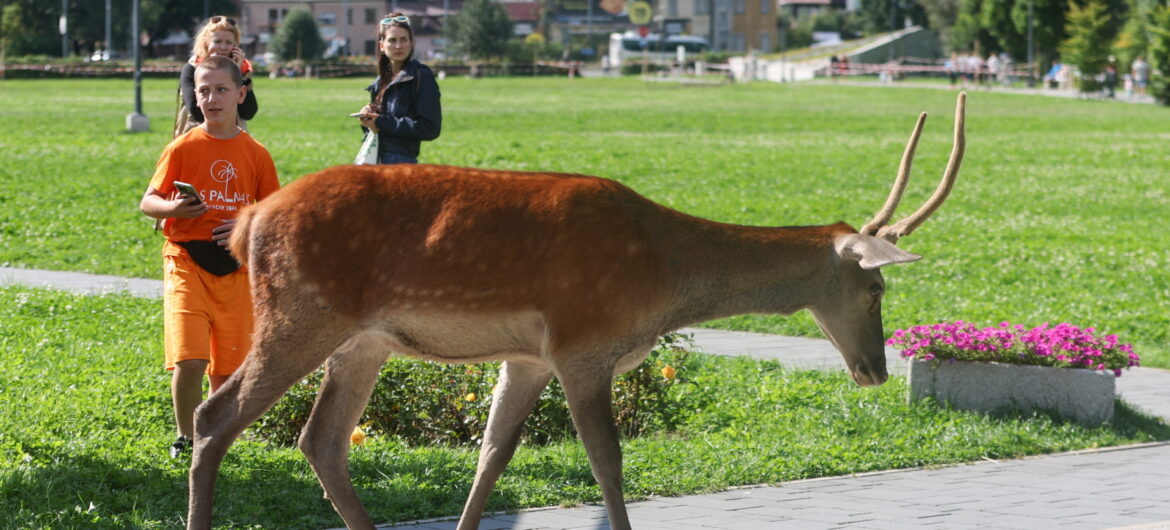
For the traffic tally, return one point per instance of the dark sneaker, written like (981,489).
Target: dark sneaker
(182,445)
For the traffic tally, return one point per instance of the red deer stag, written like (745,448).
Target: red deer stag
(556,275)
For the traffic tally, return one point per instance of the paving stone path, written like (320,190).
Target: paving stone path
(1126,487)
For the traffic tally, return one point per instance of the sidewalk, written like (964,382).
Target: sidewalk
(1126,487)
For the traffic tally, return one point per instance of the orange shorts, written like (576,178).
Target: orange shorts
(205,317)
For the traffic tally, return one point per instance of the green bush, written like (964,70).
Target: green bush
(425,403)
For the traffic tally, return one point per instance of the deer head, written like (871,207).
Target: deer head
(850,313)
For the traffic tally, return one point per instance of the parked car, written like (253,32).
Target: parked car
(104,55)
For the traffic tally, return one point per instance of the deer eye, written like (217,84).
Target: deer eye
(876,290)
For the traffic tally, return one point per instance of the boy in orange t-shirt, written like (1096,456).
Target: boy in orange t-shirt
(207,304)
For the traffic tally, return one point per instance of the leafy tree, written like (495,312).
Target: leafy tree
(161,17)
(1087,47)
(34,30)
(30,27)
(969,33)
(941,15)
(1133,39)
(875,15)
(1159,53)
(298,37)
(990,25)
(996,17)
(481,30)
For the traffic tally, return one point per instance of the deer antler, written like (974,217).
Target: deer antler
(907,225)
(882,217)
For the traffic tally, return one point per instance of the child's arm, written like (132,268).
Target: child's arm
(155,205)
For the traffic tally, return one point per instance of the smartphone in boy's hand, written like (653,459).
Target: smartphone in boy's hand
(188,190)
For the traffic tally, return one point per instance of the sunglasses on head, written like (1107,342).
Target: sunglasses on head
(400,18)
(217,18)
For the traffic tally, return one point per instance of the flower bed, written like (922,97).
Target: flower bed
(1083,396)
(1062,346)
(1062,368)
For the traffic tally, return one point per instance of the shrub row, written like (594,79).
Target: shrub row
(426,403)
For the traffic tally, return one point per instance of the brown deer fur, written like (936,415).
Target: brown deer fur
(557,275)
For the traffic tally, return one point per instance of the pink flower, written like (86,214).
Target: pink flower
(1063,345)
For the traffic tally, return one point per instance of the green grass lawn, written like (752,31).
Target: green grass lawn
(86,421)
(1054,218)
(1058,215)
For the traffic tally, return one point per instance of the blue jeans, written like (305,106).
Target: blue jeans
(395,158)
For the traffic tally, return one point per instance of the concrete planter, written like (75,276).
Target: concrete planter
(1085,396)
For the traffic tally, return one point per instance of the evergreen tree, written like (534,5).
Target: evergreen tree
(1133,39)
(481,30)
(298,38)
(1160,54)
(1087,47)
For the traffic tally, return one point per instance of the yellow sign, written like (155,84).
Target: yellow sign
(640,12)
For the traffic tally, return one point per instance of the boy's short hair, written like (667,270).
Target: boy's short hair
(219,62)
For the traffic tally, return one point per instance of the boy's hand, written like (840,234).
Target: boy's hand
(221,233)
(187,208)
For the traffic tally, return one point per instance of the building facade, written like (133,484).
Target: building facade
(349,27)
(729,25)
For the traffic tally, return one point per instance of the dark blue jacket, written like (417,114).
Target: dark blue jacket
(410,110)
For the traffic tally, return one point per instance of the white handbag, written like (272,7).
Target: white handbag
(368,153)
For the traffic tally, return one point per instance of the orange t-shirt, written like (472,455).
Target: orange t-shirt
(229,174)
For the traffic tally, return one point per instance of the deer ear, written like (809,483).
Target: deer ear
(871,252)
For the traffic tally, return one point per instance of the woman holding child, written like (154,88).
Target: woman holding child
(404,107)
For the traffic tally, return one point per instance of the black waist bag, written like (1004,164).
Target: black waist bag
(212,257)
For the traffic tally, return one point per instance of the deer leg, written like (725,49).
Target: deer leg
(516,393)
(350,375)
(589,392)
(280,356)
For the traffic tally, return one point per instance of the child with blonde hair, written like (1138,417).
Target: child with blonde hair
(219,37)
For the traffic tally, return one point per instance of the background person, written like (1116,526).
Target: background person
(404,107)
(219,37)
(1140,70)
(207,302)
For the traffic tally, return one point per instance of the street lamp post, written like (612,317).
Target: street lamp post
(108,37)
(137,121)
